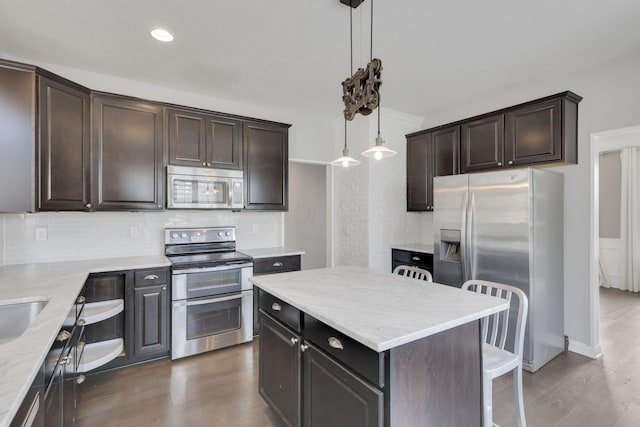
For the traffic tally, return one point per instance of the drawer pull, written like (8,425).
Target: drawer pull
(66,360)
(82,322)
(303,347)
(335,343)
(294,340)
(278,264)
(150,277)
(80,379)
(63,336)
(81,300)
(415,258)
(276,307)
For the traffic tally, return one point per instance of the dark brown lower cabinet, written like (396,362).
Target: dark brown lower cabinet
(321,377)
(151,320)
(279,381)
(334,396)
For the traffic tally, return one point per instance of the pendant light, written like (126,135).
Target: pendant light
(378,151)
(345,161)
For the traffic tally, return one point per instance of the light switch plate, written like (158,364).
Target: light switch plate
(41,233)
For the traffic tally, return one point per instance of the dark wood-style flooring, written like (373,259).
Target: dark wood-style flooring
(221,388)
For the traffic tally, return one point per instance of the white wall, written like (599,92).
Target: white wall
(88,235)
(371,209)
(611,101)
(306,221)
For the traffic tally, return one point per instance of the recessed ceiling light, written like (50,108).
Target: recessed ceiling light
(162,35)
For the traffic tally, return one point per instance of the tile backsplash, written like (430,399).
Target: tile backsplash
(87,235)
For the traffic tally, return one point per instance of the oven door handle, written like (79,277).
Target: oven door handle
(210,269)
(189,303)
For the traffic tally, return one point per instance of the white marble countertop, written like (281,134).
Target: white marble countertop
(414,247)
(379,310)
(271,252)
(60,283)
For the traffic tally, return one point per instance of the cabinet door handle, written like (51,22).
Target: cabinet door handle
(278,264)
(204,164)
(499,163)
(276,307)
(415,258)
(65,360)
(510,162)
(150,277)
(303,347)
(82,322)
(80,345)
(80,379)
(81,300)
(88,205)
(63,336)
(294,340)
(164,288)
(335,343)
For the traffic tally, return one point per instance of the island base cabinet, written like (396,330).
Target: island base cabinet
(279,379)
(333,396)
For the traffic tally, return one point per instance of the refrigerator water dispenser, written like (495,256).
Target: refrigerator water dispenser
(450,245)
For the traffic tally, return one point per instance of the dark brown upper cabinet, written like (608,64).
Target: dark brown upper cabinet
(419,173)
(203,140)
(127,154)
(533,134)
(482,145)
(266,166)
(64,151)
(17,110)
(429,155)
(446,151)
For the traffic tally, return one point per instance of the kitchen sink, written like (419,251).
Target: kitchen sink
(15,317)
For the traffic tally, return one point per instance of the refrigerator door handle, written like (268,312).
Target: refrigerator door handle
(469,238)
(463,238)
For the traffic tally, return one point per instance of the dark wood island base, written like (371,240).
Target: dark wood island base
(313,375)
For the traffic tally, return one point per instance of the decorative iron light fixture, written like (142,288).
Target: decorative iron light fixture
(361,91)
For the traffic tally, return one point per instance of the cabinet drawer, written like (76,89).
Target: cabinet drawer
(418,259)
(286,313)
(150,277)
(276,264)
(360,358)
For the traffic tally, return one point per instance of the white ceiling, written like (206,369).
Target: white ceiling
(293,54)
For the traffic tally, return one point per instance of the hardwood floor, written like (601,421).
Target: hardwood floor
(221,388)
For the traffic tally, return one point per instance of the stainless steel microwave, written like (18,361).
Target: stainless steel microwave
(201,188)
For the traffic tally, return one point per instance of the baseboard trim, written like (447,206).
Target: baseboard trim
(591,351)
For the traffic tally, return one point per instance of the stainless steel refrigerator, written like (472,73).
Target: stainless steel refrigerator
(507,227)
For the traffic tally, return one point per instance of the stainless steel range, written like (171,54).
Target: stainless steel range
(212,299)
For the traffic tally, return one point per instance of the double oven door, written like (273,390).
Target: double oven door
(211,308)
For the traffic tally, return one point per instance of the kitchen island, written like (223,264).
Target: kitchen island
(353,346)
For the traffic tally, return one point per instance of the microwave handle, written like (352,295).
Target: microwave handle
(230,190)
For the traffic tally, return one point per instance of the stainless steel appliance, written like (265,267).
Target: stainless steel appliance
(201,188)
(507,227)
(212,299)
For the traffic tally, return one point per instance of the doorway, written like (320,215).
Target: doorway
(307,223)
(603,145)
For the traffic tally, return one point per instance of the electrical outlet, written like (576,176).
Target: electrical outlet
(134,232)
(41,233)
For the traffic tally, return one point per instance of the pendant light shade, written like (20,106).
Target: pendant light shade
(379,151)
(346,160)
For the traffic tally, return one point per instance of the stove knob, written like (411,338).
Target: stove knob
(174,235)
(220,233)
(227,234)
(183,235)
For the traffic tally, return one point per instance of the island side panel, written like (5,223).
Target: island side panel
(437,380)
